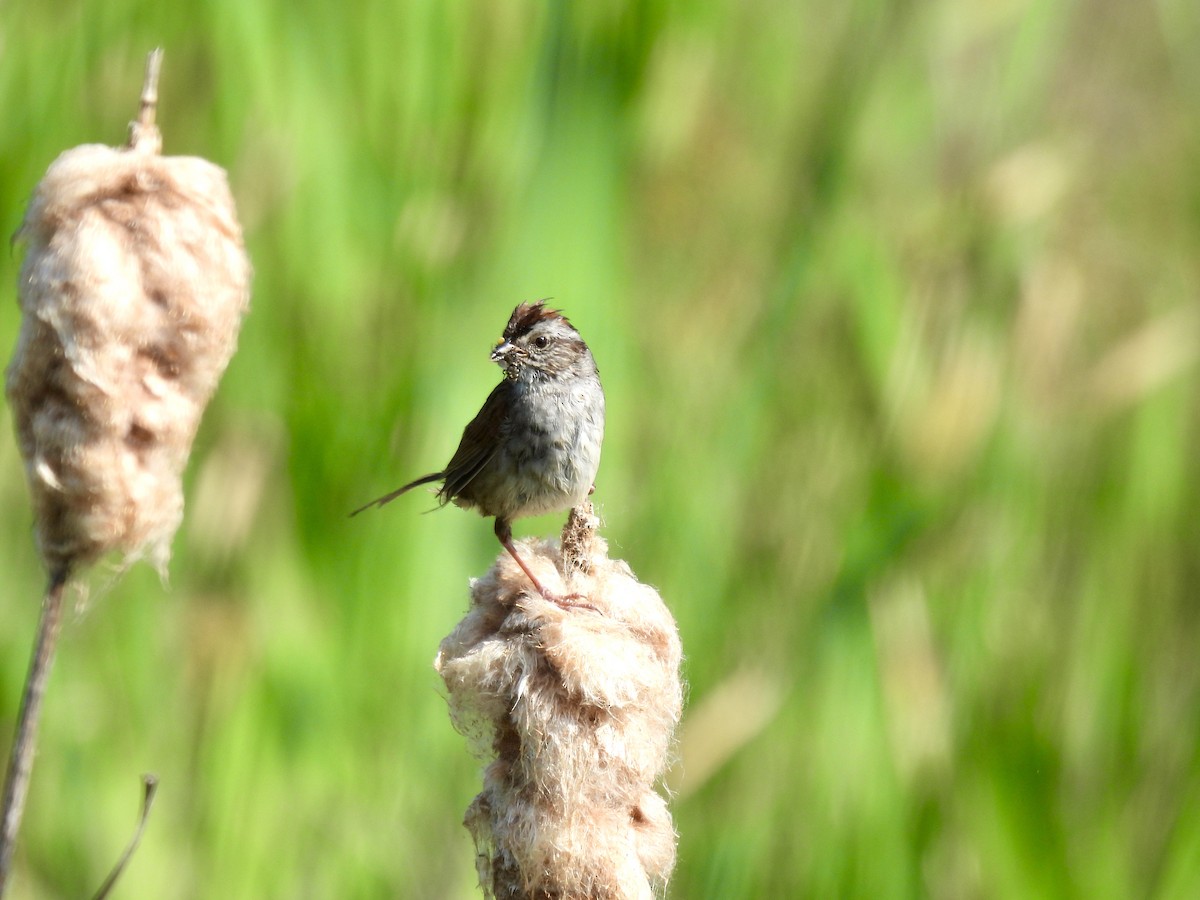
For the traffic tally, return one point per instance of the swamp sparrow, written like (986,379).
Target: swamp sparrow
(534,447)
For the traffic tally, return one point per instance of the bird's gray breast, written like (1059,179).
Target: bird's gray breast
(549,450)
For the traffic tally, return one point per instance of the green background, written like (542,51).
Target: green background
(897,306)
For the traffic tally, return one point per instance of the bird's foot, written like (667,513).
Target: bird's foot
(565,601)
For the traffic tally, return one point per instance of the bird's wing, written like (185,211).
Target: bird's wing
(480,440)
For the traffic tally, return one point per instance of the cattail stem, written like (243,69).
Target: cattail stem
(20,761)
(144,135)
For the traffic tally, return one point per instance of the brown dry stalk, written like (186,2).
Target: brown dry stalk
(575,709)
(20,762)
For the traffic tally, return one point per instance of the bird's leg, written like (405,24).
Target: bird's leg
(504,533)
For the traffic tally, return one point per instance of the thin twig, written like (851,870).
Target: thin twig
(149,786)
(20,761)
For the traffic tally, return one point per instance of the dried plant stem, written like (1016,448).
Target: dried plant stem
(149,788)
(20,761)
(144,135)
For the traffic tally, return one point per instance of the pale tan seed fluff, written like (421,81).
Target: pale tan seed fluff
(576,709)
(132,291)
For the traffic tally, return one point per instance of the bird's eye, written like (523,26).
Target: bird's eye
(541,342)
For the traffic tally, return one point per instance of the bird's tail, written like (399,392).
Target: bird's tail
(388,498)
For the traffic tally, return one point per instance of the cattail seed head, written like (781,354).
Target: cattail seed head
(132,291)
(576,709)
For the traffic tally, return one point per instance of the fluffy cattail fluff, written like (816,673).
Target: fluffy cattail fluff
(576,707)
(132,291)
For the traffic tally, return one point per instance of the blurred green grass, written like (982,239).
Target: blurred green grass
(897,310)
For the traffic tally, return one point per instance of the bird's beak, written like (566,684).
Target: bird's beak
(505,356)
